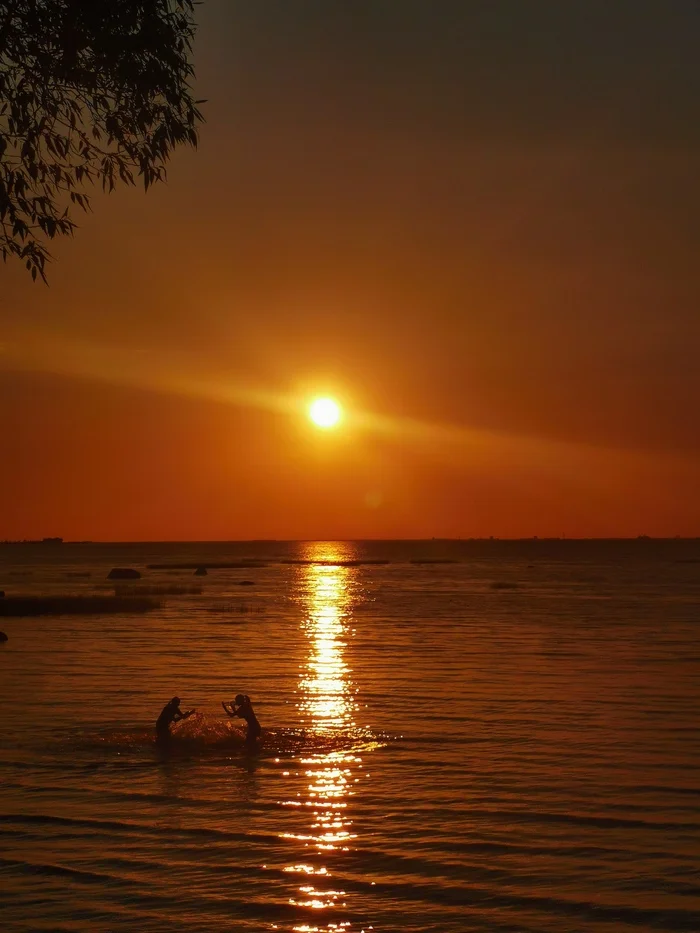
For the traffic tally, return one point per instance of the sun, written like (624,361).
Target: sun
(325,413)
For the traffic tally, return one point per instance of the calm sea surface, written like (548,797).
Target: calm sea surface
(508,742)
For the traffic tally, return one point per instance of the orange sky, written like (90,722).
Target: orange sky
(478,227)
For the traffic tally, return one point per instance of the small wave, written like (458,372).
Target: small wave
(242,608)
(81,875)
(175,589)
(433,560)
(245,564)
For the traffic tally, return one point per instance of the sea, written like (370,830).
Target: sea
(457,736)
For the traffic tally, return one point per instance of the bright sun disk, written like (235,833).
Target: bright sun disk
(325,413)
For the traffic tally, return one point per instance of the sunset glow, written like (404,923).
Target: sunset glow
(455,323)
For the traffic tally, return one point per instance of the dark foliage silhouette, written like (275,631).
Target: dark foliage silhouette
(91,92)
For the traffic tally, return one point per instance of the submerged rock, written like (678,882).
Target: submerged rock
(2,593)
(246,583)
(200,572)
(123,573)
(3,637)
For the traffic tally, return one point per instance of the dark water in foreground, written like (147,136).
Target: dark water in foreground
(505,743)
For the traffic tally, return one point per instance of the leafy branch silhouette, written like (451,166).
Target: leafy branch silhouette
(91,92)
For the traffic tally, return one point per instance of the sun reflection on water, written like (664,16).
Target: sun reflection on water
(327,703)
(327,712)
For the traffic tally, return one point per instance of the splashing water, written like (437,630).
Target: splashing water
(202,734)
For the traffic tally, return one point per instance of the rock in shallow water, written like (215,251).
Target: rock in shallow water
(123,573)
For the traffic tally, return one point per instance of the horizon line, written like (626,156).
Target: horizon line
(482,538)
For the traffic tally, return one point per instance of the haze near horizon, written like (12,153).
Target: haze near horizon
(473,226)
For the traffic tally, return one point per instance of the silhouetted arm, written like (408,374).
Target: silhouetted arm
(180,715)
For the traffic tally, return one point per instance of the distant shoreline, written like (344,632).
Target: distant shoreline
(49,541)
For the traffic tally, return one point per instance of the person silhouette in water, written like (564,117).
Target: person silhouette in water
(243,708)
(171,713)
